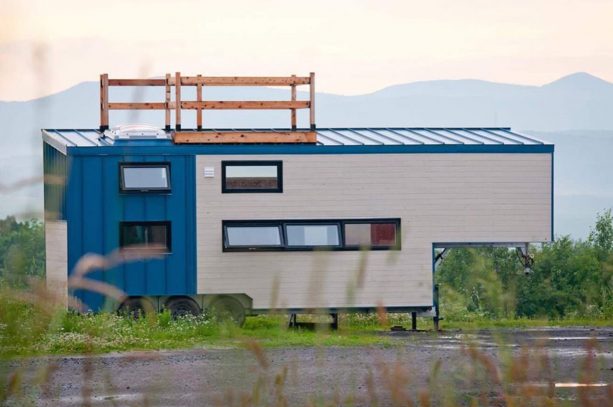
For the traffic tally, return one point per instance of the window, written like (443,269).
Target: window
(378,234)
(154,234)
(252,236)
(251,176)
(312,235)
(144,177)
(296,235)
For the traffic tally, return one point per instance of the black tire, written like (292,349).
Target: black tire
(226,308)
(181,306)
(135,307)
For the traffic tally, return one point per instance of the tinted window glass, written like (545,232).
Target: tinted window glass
(144,178)
(251,177)
(313,235)
(253,236)
(153,234)
(370,234)
(300,234)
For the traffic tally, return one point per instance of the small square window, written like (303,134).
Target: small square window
(145,177)
(251,176)
(143,234)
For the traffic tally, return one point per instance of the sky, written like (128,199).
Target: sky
(354,47)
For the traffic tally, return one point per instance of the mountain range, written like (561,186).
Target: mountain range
(574,112)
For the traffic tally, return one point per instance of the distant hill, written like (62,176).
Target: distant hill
(575,112)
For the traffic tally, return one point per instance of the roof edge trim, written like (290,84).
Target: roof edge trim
(272,149)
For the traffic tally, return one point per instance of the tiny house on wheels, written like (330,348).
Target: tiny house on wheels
(292,219)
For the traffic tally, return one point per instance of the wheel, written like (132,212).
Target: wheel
(135,307)
(181,306)
(226,308)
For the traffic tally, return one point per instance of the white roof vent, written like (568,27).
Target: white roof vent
(136,132)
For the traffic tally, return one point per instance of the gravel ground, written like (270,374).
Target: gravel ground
(337,376)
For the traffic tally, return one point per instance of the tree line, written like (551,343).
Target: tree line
(22,251)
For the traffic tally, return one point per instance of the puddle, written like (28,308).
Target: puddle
(567,385)
(101,399)
(574,385)
(577,338)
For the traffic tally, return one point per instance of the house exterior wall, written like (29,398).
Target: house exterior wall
(56,258)
(438,197)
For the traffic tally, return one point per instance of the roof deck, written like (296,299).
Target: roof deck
(203,136)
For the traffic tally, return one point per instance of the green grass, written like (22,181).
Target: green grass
(31,332)
(99,333)
(30,326)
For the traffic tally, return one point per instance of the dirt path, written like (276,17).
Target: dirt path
(362,375)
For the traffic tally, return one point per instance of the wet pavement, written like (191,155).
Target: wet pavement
(571,364)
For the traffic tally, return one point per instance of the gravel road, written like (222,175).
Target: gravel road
(554,360)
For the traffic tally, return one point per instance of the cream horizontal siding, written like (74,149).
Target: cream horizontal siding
(439,198)
(56,258)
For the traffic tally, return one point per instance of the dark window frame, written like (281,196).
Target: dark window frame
(124,190)
(284,247)
(254,163)
(166,223)
(250,248)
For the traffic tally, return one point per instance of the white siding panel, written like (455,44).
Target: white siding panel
(439,198)
(56,258)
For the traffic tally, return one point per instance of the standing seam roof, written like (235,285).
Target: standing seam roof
(343,136)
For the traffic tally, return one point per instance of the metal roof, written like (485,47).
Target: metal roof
(345,136)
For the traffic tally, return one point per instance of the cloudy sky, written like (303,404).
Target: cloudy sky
(353,46)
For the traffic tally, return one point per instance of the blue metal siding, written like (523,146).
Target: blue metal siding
(55,168)
(96,206)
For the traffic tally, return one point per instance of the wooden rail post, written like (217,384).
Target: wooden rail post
(199,99)
(312,99)
(178,101)
(167,109)
(293,111)
(104,102)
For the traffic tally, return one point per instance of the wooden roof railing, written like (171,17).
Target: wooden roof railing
(210,136)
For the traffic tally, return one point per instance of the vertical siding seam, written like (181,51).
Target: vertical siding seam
(122,217)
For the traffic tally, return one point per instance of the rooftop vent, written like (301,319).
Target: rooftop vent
(136,132)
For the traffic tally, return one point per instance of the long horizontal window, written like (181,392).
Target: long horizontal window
(251,176)
(332,234)
(144,177)
(144,235)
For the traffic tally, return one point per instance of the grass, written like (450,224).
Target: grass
(28,330)
(71,333)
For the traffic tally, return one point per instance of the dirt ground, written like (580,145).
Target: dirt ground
(438,365)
